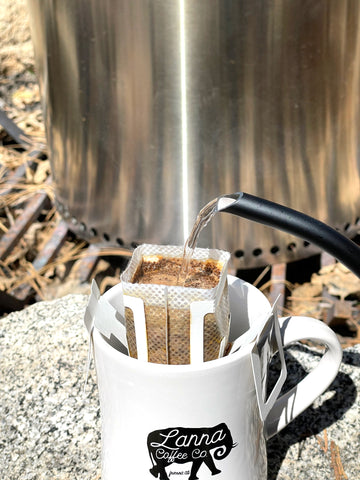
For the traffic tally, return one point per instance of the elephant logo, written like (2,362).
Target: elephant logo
(182,445)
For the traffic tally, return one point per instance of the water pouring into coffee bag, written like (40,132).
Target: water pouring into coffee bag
(172,323)
(184,322)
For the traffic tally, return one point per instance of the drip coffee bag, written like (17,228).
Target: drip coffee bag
(170,323)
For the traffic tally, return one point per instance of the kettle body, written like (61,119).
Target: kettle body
(154,107)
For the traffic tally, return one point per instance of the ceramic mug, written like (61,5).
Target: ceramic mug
(195,421)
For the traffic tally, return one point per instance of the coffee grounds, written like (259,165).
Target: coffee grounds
(155,269)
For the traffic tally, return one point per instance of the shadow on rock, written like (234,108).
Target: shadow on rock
(313,420)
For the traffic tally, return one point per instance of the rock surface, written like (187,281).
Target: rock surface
(51,430)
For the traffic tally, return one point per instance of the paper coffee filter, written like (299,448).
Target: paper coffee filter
(183,324)
(155,294)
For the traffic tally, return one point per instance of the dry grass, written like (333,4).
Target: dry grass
(16,51)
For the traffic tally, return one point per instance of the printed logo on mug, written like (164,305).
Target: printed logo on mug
(191,446)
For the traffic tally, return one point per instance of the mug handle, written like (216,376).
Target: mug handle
(295,401)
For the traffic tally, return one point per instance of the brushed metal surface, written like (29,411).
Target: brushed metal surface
(155,107)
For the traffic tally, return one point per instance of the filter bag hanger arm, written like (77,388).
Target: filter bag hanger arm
(294,222)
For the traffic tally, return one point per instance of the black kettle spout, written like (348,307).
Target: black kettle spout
(296,223)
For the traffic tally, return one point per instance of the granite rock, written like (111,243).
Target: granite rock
(49,428)
(50,424)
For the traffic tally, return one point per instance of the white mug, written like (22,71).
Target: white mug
(195,421)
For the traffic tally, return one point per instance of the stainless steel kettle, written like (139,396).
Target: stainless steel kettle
(154,107)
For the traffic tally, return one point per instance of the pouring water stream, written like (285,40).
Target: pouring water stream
(277,216)
(203,218)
